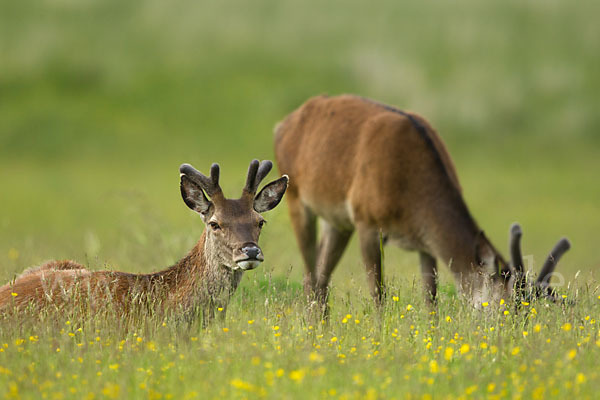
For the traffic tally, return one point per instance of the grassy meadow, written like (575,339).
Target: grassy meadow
(100,102)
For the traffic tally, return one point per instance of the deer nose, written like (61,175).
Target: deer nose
(252,251)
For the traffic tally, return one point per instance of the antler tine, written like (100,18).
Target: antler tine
(256,173)
(252,170)
(263,170)
(209,185)
(215,172)
(515,247)
(543,280)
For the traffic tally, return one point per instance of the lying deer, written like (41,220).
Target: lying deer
(202,280)
(364,166)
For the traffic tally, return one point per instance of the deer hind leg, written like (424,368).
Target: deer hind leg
(332,246)
(370,247)
(304,222)
(430,276)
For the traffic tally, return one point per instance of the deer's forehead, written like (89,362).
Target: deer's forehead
(238,209)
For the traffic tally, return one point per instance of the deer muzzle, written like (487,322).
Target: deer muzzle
(248,256)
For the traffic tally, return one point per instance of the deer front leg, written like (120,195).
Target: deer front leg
(430,276)
(304,223)
(370,247)
(332,246)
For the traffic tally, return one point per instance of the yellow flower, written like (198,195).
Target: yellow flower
(566,327)
(111,391)
(537,328)
(471,389)
(485,304)
(434,367)
(580,378)
(242,385)
(297,375)
(409,307)
(448,319)
(334,339)
(525,333)
(465,348)
(491,387)
(225,329)
(276,328)
(358,379)
(572,354)
(395,298)
(525,303)
(516,350)
(501,302)
(13,294)
(448,353)
(250,321)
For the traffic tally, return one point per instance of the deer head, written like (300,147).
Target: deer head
(233,225)
(499,279)
(526,288)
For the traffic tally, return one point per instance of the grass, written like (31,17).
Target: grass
(101,101)
(268,346)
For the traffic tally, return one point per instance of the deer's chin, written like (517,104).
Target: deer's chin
(247,265)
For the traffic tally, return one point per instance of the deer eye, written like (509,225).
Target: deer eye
(261,223)
(214,226)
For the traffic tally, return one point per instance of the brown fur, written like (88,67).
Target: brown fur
(362,165)
(188,284)
(203,280)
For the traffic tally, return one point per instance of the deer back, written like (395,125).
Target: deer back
(361,162)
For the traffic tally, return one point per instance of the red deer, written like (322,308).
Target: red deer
(365,166)
(201,281)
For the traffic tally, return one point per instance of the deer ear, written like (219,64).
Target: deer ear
(194,197)
(271,195)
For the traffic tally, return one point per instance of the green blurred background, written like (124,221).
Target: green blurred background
(100,101)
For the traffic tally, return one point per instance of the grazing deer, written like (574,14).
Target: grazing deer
(202,280)
(361,165)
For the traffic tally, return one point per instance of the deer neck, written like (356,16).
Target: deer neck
(199,278)
(453,239)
